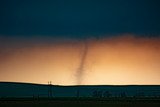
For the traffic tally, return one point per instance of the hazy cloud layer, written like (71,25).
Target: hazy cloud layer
(124,59)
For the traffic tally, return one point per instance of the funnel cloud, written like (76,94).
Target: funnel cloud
(81,68)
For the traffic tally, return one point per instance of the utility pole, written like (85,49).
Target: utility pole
(49,89)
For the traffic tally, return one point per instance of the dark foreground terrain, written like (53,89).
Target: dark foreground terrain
(80,102)
(37,95)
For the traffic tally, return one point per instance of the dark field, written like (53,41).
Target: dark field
(35,95)
(80,102)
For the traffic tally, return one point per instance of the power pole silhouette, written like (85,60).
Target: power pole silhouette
(49,89)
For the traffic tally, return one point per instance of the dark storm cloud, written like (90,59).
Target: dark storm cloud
(79,17)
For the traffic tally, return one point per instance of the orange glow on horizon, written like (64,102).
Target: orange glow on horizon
(118,60)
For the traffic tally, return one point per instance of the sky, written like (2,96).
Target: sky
(80,42)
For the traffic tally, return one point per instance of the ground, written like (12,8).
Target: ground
(81,102)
